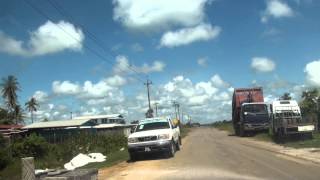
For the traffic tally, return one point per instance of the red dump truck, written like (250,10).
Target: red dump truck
(249,112)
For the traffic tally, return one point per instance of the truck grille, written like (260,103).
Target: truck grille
(147,138)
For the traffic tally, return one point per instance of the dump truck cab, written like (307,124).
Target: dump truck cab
(249,112)
(287,120)
(254,116)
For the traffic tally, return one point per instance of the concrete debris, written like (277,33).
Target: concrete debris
(83,159)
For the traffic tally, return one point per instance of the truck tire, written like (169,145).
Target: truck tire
(242,132)
(180,141)
(236,130)
(280,136)
(133,157)
(171,150)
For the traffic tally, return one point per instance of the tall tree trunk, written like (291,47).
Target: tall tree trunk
(32,116)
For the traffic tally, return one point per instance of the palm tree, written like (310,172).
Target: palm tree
(10,86)
(32,106)
(18,114)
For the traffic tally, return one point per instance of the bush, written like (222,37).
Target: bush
(4,158)
(33,145)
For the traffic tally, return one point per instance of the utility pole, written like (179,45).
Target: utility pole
(156,105)
(71,115)
(148,90)
(149,113)
(176,109)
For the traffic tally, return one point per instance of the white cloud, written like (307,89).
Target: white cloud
(47,39)
(276,9)
(65,87)
(116,80)
(123,64)
(203,61)
(218,82)
(97,90)
(312,72)
(40,96)
(185,36)
(158,14)
(262,64)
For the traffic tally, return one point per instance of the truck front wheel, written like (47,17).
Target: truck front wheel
(242,132)
(133,157)
(171,150)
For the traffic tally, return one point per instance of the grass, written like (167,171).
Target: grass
(292,141)
(12,171)
(224,126)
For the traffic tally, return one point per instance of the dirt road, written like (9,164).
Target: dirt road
(211,154)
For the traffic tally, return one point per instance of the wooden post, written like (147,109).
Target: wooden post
(28,169)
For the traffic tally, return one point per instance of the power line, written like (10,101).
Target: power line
(94,38)
(86,46)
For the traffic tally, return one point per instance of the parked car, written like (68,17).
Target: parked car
(154,135)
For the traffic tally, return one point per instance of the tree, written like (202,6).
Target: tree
(4,117)
(32,106)
(310,101)
(18,114)
(286,96)
(10,86)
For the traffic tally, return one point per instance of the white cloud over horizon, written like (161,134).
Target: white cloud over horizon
(49,38)
(276,9)
(312,73)
(185,36)
(148,15)
(262,64)
(123,66)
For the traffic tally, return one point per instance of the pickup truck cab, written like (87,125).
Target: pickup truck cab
(154,135)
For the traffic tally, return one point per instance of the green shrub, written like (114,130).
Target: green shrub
(33,145)
(4,158)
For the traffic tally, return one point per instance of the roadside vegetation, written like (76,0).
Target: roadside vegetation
(56,155)
(292,141)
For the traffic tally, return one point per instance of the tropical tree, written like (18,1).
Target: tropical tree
(310,101)
(10,86)
(18,114)
(32,106)
(286,96)
(4,117)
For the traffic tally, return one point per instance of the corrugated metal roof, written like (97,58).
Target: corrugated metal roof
(77,121)
(101,126)
(61,123)
(10,126)
(109,116)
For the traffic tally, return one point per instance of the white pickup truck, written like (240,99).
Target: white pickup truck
(154,135)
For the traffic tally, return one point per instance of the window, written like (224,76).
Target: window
(152,126)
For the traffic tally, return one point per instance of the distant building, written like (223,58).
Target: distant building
(57,131)
(12,130)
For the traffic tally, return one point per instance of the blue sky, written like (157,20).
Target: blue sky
(195,52)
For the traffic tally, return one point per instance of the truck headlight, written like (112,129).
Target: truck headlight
(132,140)
(164,136)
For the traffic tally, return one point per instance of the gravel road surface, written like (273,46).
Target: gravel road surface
(208,153)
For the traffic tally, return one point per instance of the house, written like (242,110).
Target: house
(12,130)
(57,131)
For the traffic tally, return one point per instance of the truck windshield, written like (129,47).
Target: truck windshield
(152,126)
(255,108)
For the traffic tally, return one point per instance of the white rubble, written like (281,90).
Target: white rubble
(83,159)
